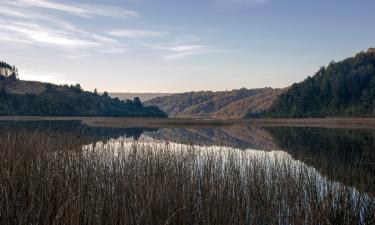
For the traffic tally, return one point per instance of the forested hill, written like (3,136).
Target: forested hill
(28,98)
(341,89)
(222,104)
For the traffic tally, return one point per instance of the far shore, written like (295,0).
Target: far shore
(119,122)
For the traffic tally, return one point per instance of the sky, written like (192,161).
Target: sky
(180,45)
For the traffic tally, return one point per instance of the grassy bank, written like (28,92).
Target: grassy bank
(126,122)
(52,180)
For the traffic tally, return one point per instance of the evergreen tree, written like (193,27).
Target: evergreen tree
(345,88)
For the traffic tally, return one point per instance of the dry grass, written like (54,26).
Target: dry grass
(52,180)
(124,122)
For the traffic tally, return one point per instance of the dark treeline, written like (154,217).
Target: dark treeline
(5,65)
(69,101)
(345,88)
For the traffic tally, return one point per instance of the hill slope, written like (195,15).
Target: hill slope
(28,98)
(345,88)
(222,104)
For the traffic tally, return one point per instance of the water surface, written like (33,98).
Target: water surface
(346,156)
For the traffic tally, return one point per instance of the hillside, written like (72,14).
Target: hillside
(143,96)
(29,98)
(342,89)
(222,104)
(252,105)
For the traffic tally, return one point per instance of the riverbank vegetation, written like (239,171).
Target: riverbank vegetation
(47,179)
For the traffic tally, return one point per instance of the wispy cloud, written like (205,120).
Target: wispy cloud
(34,33)
(132,33)
(61,26)
(84,10)
(182,48)
(182,51)
(21,23)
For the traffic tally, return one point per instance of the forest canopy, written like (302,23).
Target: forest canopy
(341,89)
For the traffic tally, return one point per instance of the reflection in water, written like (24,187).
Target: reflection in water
(224,175)
(346,156)
(242,137)
(72,128)
(122,181)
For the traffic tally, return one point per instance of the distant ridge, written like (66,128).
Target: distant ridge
(143,96)
(31,98)
(222,104)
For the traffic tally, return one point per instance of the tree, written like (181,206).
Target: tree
(137,102)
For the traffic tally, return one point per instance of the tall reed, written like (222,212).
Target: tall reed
(54,181)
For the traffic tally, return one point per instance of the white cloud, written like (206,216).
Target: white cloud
(182,51)
(131,33)
(55,78)
(21,23)
(182,48)
(36,23)
(177,52)
(188,48)
(34,33)
(84,10)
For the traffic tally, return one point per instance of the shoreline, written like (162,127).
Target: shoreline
(128,122)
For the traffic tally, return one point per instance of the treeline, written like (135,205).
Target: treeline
(69,101)
(345,88)
(5,65)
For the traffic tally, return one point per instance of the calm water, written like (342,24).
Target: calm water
(337,155)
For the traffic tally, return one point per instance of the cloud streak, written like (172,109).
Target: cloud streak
(20,23)
(132,33)
(62,26)
(84,10)
(34,33)
(182,51)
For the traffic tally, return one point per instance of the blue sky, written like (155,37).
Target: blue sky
(180,45)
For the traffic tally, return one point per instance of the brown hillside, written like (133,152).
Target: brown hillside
(222,104)
(252,104)
(25,87)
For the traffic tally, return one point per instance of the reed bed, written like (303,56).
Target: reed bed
(53,180)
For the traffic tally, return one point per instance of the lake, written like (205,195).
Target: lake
(230,174)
